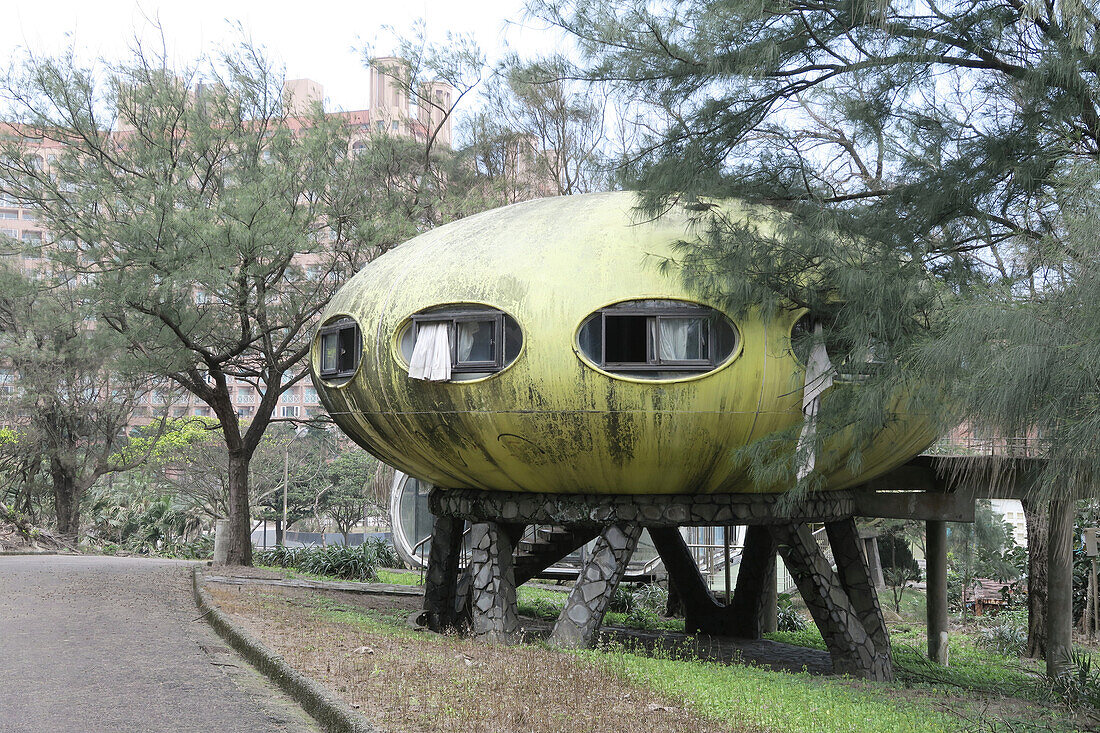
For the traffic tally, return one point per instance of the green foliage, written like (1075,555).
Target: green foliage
(1081,687)
(191,212)
(622,600)
(752,696)
(787,618)
(894,551)
(538,132)
(339,561)
(651,597)
(1006,634)
(983,548)
(921,178)
(143,521)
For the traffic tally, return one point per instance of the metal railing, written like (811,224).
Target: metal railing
(1014,446)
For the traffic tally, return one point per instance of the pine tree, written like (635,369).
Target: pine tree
(212,226)
(924,179)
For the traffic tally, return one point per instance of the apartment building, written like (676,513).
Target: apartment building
(390,112)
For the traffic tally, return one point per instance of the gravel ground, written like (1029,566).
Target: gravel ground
(95,644)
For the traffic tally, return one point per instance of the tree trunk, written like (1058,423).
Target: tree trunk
(279,540)
(240,521)
(1037,518)
(66,502)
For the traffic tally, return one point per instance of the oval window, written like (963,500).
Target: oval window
(341,346)
(657,339)
(459,342)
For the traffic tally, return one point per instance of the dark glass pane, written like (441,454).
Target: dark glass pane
(476,341)
(626,339)
(725,339)
(513,340)
(590,338)
(348,357)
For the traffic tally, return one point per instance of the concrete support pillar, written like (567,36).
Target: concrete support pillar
(851,647)
(493,615)
(769,616)
(600,574)
(1059,655)
(936,582)
(755,578)
(754,606)
(702,613)
(441,578)
(874,561)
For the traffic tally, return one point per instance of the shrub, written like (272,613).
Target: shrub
(622,600)
(1080,688)
(788,619)
(1006,633)
(341,561)
(201,548)
(651,597)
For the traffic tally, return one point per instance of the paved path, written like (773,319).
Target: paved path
(97,644)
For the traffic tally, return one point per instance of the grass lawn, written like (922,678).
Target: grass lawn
(360,647)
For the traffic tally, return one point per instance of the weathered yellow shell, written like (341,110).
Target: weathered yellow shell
(552,421)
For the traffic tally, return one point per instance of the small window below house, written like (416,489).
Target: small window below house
(457,343)
(657,339)
(341,346)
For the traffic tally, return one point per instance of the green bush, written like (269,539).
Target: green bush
(622,600)
(1005,633)
(651,597)
(196,549)
(788,619)
(341,561)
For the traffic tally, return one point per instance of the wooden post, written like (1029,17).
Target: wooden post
(1059,656)
(936,572)
(1090,609)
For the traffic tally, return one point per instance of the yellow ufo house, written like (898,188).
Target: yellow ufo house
(539,348)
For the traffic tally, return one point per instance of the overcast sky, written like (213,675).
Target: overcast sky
(315,40)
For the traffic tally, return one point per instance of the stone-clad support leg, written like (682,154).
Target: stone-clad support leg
(493,614)
(580,620)
(746,616)
(850,646)
(441,578)
(857,580)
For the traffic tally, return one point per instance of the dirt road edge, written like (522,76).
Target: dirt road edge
(333,714)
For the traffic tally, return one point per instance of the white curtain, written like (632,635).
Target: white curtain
(431,357)
(679,339)
(819,377)
(466,331)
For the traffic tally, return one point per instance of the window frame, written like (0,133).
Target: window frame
(335,329)
(453,318)
(631,309)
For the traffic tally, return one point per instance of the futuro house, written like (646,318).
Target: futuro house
(539,348)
